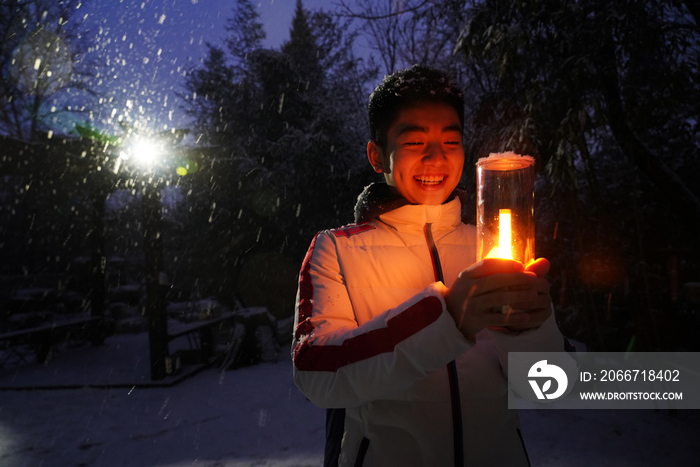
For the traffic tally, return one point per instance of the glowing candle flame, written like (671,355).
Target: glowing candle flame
(504,235)
(504,249)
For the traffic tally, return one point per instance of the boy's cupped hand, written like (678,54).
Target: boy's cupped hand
(483,290)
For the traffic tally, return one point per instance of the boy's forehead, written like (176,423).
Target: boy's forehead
(422,114)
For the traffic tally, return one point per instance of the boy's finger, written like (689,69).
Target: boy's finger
(489,266)
(510,319)
(540,267)
(502,282)
(497,300)
(536,318)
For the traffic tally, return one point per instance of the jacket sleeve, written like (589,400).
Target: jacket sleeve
(338,363)
(546,338)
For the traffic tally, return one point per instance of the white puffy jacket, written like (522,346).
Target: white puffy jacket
(373,335)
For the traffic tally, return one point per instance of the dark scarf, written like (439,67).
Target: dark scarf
(378,198)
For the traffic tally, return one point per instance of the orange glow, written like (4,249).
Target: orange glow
(504,235)
(504,249)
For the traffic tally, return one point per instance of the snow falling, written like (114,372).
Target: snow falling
(165,164)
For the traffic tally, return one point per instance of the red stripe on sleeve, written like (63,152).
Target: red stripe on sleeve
(306,294)
(354,229)
(332,357)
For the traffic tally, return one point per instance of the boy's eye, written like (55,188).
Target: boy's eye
(456,143)
(413,143)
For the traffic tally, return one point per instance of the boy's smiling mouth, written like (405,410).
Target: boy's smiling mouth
(429,179)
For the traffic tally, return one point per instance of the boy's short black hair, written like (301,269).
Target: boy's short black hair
(408,87)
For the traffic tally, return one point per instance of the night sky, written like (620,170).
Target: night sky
(145,46)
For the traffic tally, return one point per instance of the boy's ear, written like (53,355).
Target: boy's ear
(375,156)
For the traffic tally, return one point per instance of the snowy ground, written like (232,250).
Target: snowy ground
(256,417)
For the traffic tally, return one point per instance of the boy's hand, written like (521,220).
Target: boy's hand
(539,309)
(476,298)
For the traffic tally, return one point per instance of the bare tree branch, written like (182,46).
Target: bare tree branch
(352,14)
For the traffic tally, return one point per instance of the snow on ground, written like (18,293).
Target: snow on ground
(256,417)
(250,416)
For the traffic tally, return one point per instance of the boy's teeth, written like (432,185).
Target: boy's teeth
(431,179)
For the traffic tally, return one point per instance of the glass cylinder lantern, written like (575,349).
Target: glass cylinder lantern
(505,207)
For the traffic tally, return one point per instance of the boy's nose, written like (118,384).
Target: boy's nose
(434,155)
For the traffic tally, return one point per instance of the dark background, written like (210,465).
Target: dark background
(271,137)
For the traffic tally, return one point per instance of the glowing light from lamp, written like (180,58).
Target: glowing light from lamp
(504,234)
(504,249)
(146,152)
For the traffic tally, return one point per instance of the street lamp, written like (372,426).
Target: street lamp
(146,153)
(148,156)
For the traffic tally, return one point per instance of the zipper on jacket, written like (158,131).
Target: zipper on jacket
(522,441)
(457,430)
(362,452)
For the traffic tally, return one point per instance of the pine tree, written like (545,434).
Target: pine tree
(290,131)
(245,33)
(303,51)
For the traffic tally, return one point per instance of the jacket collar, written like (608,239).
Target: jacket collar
(378,199)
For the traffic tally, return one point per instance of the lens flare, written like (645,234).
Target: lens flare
(41,64)
(146,153)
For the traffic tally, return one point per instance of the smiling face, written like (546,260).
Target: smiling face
(423,156)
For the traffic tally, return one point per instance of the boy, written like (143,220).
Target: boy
(395,322)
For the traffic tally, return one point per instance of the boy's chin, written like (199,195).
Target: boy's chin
(432,198)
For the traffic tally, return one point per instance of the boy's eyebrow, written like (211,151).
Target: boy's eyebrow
(420,129)
(411,129)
